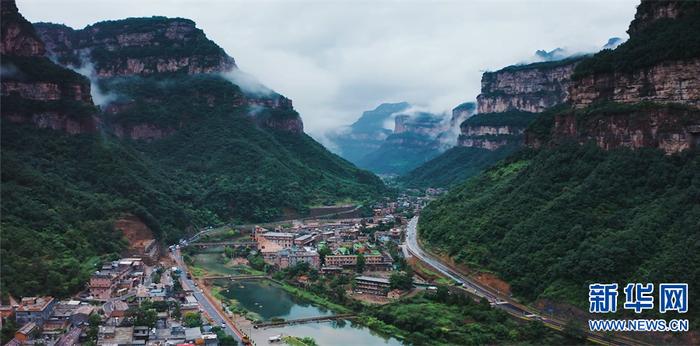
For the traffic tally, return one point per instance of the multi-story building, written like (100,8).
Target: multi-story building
(283,239)
(34,309)
(372,285)
(376,261)
(341,260)
(290,257)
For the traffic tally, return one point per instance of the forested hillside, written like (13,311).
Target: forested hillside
(552,221)
(454,166)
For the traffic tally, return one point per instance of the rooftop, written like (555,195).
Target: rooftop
(372,279)
(34,304)
(278,234)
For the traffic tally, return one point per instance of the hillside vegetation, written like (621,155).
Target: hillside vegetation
(61,193)
(454,166)
(550,222)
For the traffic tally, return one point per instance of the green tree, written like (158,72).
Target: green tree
(323,252)
(401,280)
(360,267)
(9,327)
(193,319)
(94,325)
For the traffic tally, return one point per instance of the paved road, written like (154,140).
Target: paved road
(498,300)
(204,302)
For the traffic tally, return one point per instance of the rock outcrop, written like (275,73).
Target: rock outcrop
(494,130)
(461,113)
(645,93)
(137,46)
(671,81)
(650,11)
(671,128)
(34,89)
(142,47)
(530,88)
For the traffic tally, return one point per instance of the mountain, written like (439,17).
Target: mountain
(177,140)
(416,137)
(509,100)
(367,133)
(608,188)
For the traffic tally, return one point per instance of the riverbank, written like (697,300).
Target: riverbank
(314,298)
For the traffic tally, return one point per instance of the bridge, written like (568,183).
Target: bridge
(223,243)
(235,277)
(303,320)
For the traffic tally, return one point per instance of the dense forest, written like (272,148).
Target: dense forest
(552,221)
(454,166)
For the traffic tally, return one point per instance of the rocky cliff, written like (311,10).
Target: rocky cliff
(669,81)
(137,46)
(644,93)
(18,35)
(34,89)
(115,54)
(530,88)
(494,130)
(648,12)
(461,113)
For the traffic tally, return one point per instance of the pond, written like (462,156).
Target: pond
(268,300)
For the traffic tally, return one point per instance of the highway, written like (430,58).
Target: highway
(496,299)
(206,304)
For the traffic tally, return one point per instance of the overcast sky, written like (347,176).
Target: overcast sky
(335,59)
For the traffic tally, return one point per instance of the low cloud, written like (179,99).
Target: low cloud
(99,97)
(247,82)
(336,59)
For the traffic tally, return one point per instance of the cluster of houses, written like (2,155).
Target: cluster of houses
(112,291)
(117,278)
(45,320)
(344,240)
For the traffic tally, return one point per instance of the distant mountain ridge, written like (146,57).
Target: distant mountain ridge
(414,138)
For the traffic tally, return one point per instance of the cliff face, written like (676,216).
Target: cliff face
(645,93)
(494,130)
(137,46)
(530,88)
(671,81)
(18,36)
(35,90)
(132,50)
(649,12)
(461,113)
(668,129)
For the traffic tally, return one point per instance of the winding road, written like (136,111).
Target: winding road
(496,299)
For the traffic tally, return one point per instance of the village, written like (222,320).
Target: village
(165,297)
